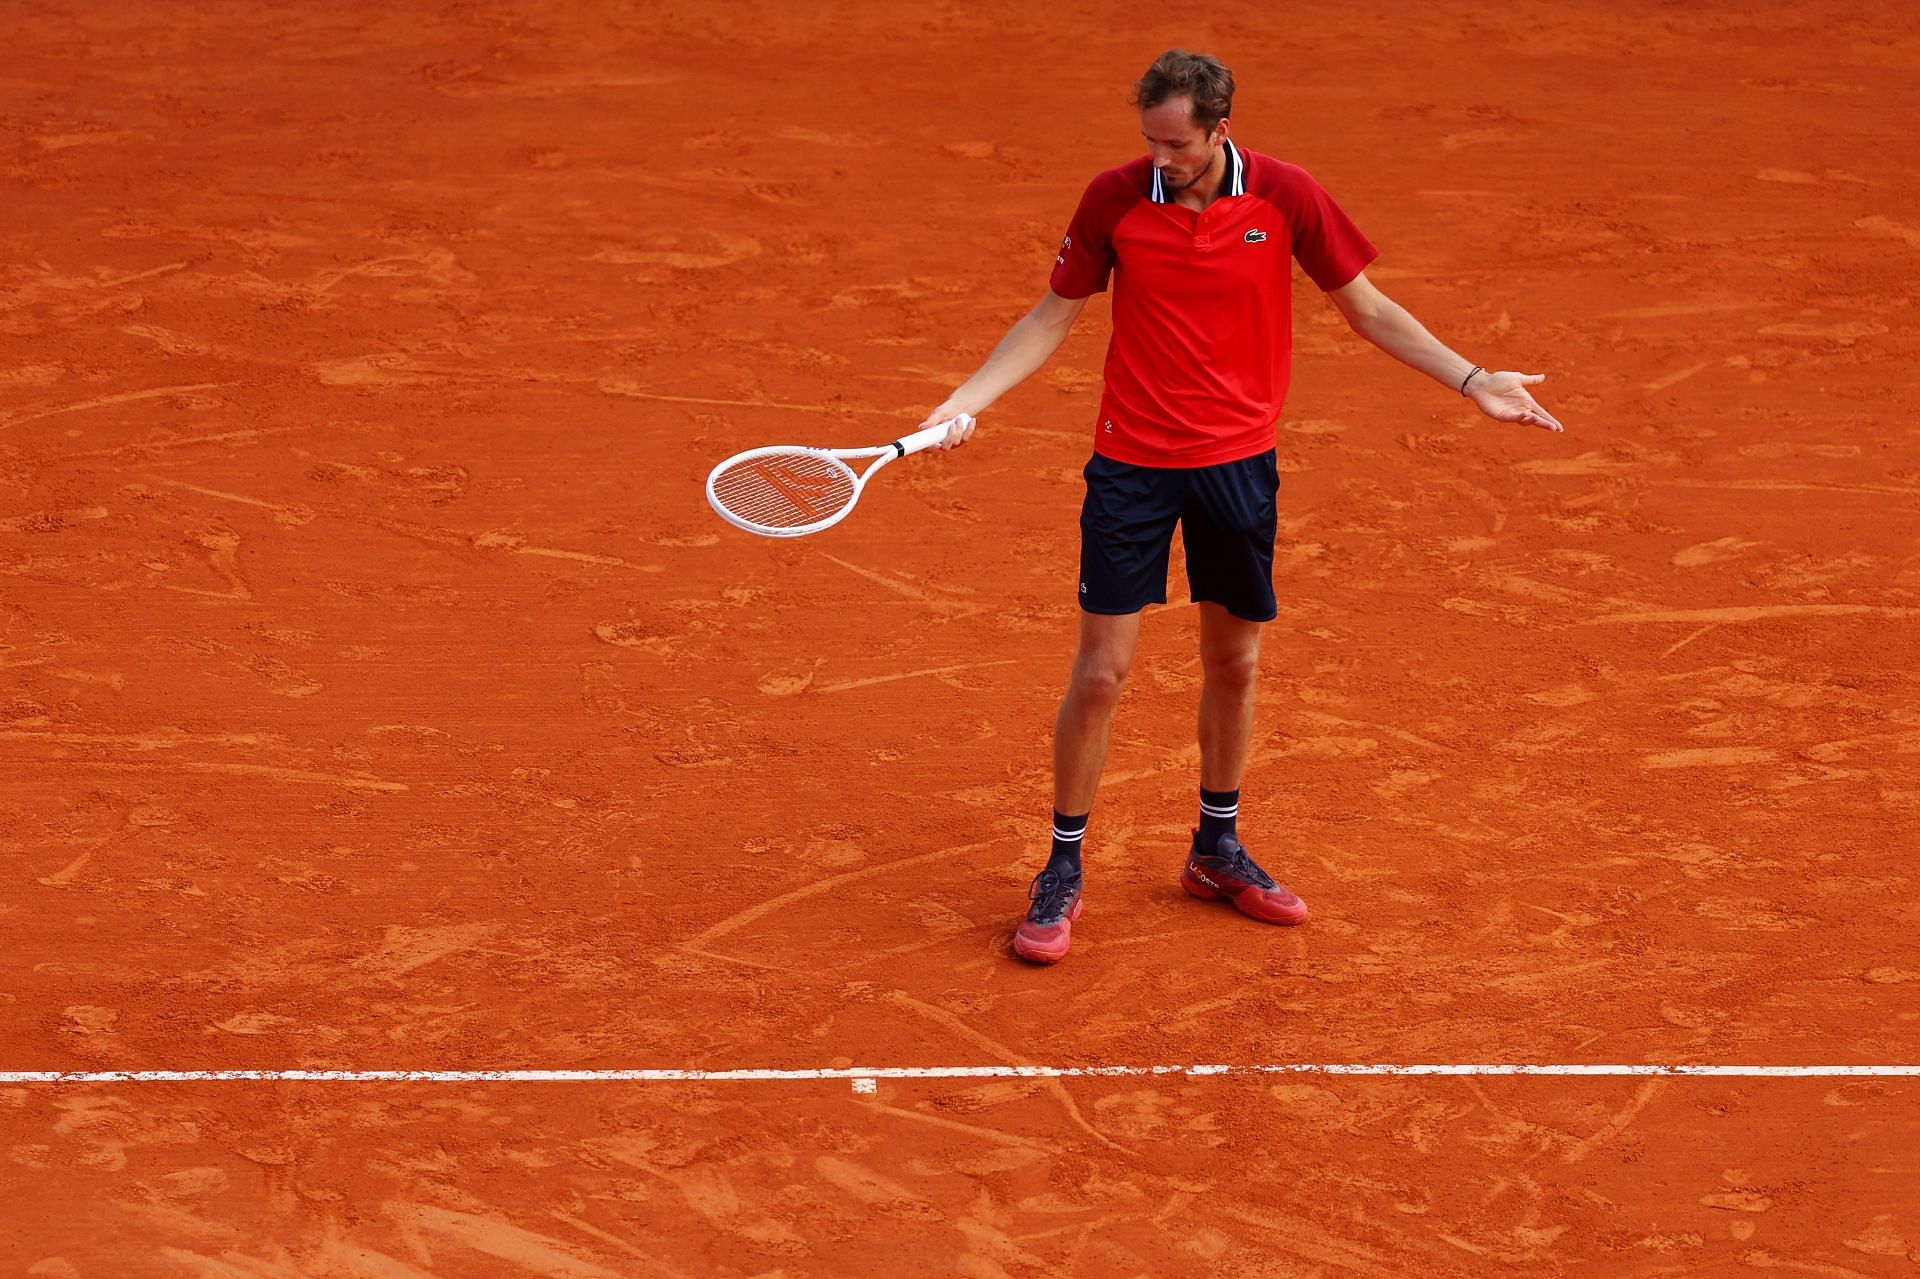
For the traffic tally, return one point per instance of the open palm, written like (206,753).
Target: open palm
(1504,398)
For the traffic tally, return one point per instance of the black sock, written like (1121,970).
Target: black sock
(1064,860)
(1219,809)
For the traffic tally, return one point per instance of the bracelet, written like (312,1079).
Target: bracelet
(1469,377)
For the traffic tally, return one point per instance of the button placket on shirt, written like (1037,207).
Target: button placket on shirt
(1206,218)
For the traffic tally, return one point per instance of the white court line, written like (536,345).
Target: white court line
(748,1076)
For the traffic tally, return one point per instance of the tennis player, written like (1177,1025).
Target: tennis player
(1197,238)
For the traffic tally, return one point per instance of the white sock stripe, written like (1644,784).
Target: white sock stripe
(1071,837)
(1216,810)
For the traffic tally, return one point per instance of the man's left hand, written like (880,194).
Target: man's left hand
(1504,398)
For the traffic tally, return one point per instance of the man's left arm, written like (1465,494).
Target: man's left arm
(1385,323)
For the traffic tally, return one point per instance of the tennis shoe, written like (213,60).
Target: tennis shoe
(1054,903)
(1229,874)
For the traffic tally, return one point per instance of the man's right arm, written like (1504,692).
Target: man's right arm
(1033,338)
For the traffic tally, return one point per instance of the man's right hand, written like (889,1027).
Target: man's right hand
(963,424)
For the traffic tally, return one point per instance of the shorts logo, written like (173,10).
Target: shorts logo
(1255,236)
(1083,588)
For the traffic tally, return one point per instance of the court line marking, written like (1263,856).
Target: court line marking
(665,1075)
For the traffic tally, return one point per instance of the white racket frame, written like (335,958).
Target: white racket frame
(905,446)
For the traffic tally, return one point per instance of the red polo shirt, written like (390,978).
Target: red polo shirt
(1202,302)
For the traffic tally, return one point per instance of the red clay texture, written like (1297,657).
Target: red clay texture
(377,690)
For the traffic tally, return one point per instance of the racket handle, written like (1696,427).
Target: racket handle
(927,437)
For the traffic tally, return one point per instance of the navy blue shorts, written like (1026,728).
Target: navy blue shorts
(1227,516)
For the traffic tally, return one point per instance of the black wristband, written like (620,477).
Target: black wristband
(1469,377)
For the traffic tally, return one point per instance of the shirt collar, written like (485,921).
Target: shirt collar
(1234,182)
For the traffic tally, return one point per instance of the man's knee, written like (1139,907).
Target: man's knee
(1099,676)
(1235,666)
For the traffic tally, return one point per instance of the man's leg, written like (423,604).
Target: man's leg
(1229,530)
(1080,730)
(1079,750)
(1126,530)
(1230,665)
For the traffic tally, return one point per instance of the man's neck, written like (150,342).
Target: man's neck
(1207,189)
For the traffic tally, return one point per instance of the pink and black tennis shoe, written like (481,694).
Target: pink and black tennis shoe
(1044,935)
(1228,874)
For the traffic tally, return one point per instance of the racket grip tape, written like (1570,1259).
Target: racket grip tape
(927,437)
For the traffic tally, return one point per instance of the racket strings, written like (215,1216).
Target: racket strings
(785,490)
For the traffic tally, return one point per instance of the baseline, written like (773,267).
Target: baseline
(1666,1070)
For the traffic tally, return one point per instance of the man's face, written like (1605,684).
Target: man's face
(1181,149)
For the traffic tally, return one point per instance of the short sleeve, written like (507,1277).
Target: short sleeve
(1085,261)
(1326,243)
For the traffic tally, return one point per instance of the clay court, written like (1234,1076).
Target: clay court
(378,693)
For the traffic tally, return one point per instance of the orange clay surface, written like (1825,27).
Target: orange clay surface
(376,689)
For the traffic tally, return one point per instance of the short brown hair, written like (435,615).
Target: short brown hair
(1201,79)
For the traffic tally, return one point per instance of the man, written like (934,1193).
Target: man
(1198,236)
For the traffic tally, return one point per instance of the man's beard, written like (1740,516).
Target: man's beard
(1174,184)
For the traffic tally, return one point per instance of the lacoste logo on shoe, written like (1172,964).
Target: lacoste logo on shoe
(1201,875)
(1255,236)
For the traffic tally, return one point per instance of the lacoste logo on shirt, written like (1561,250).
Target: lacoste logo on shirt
(1255,236)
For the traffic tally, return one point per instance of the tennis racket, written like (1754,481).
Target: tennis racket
(790,490)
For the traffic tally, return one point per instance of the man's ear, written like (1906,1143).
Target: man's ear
(1219,132)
